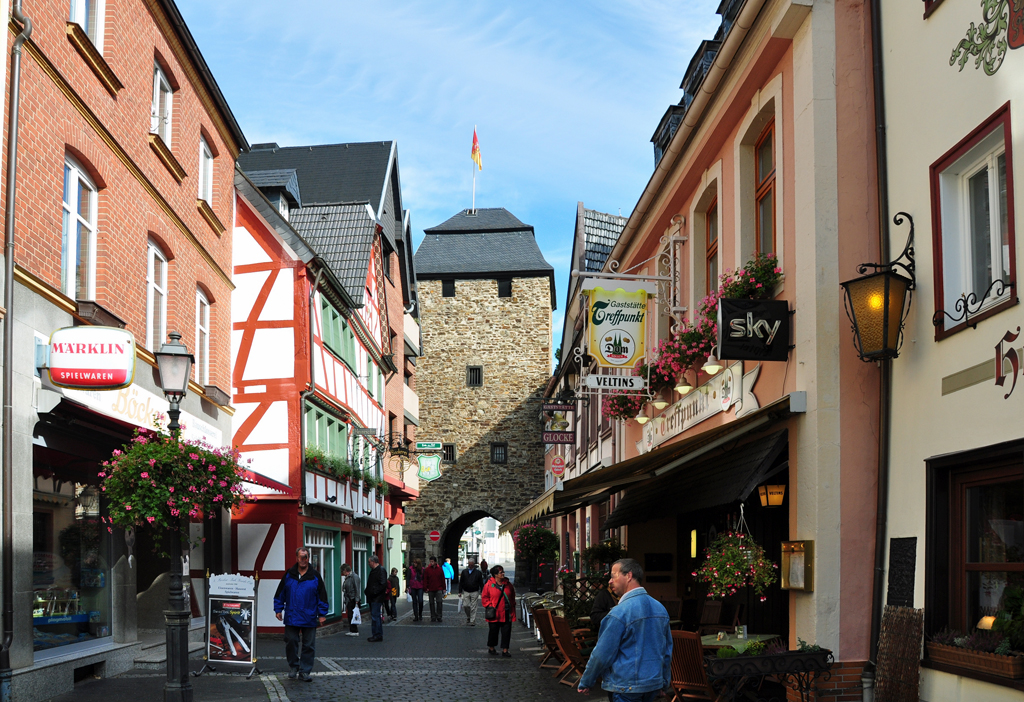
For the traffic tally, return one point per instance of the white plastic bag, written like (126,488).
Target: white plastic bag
(408,596)
(357,618)
(460,605)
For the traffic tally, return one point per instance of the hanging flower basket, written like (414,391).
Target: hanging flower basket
(621,404)
(159,481)
(755,281)
(734,561)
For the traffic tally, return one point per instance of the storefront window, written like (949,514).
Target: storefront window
(70,563)
(321,556)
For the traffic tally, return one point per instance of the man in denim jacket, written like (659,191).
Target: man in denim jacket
(633,655)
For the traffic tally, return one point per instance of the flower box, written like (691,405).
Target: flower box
(992,663)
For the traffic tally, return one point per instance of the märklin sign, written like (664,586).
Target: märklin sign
(94,358)
(753,330)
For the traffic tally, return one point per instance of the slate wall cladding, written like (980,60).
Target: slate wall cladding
(511,339)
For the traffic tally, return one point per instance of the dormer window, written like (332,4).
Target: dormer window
(282,205)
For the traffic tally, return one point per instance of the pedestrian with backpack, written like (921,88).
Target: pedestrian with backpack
(395,584)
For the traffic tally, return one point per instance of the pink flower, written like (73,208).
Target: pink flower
(109,530)
(213,469)
(175,513)
(102,474)
(170,489)
(128,508)
(152,462)
(117,452)
(150,519)
(145,474)
(193,456)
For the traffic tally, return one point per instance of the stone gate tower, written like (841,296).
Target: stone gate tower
(486,295)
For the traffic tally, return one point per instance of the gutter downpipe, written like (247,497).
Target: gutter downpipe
(723,60)
(8,353)
(312,383)
(885,366)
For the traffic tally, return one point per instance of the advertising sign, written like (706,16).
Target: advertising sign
(429,467)
(617,326)
(95,358)
(559,407)
(559,437)
(753,330)
(231,619)
(557,426)
(616,382)
(558,466)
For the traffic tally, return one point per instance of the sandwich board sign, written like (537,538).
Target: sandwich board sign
(231,622)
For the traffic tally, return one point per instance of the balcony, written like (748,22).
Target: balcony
(343,495)
(411,403)
(412,336)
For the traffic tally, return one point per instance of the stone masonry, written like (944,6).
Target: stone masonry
(510,338)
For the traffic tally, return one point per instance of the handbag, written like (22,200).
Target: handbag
(490,613)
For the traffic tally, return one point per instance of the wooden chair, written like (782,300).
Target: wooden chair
(674,607)
(542,617)
(689,678)
(569,645)
(710,616)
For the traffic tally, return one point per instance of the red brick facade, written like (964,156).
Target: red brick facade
(844,686)
(67,111)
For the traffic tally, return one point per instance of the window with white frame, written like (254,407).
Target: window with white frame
(88,14)
(205,172)
(78,239)
(202,339)
(163,102)
(971,191)
(156,296)
(320,543)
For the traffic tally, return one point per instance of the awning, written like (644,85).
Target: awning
(251,476)
(722,480)
(596,484)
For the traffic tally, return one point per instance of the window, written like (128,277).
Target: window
(321,557)
(160,113)
(474,376)
(326,432)
(505,287)
(156,297)
(336,334)
(975,548)
(764,194)
(386,262)
(448,288)
(206,172)
(499,453)
(711,230)
(448,453)
(202,339)
(972,188)
(78,239)
(88,14)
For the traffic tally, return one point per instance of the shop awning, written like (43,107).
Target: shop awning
(595,485)
(251,476)
(721,480)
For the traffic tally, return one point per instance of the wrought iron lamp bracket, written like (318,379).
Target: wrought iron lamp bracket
(902,263)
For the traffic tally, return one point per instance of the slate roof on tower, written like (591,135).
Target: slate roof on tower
(492,243)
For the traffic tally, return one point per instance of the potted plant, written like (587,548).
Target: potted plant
(532,544)
(982,650)
(733,560)
(621,404)
(755,281)
(602,554)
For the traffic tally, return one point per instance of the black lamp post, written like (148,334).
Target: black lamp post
(877,303)
(175,365)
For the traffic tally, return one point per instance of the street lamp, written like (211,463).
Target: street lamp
(174,363)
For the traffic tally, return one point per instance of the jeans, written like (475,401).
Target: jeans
(350,606)
(417,603)
(470,600)
(634,696)
(391,606)
(376,625)
(436,600)
(294,636)
(448,585)
(505,628)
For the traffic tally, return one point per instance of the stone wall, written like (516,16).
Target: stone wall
(511,339)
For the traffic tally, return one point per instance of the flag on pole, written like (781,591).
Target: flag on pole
(475,153)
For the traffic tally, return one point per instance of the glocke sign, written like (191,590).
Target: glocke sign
(94,358)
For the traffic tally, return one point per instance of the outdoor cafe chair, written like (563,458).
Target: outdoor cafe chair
(569,645)
(689,678)
(547,631)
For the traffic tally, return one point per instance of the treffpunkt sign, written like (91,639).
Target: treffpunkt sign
(617,326)
(94,358)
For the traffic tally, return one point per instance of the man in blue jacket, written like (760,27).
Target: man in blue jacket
(302,597)
(633,655)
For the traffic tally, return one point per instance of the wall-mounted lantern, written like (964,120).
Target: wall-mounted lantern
(877,304)
(771,495)
(797,565)
(712,366)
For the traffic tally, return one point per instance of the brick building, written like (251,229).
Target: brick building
(486,297)
(125,182)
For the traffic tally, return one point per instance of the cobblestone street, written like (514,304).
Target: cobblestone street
(417,661)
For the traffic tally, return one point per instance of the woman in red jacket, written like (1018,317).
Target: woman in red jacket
(499,593)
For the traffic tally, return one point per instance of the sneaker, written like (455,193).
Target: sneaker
(305,677)
(352,633)
(292,674)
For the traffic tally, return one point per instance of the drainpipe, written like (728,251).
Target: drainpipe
(8,355)
(312,384)
(885,376)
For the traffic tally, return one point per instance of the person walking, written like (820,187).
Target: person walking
(350,590)
(633,654)
(501,596)
(394,586)
(414,586)
(471,582)
(449,575)
(376,590)
(301,603)
(433,583)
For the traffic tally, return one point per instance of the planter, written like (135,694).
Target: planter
(994,664)
(789,663)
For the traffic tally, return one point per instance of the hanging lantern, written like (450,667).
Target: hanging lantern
(771,495)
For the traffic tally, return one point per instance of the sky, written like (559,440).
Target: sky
(565,96)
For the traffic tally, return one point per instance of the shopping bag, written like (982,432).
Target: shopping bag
(460,606)
(408,596)
(357,618)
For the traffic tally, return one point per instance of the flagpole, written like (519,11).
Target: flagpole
(474,176)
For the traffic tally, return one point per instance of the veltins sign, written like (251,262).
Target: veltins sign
(753,330)
(617,327)
(94,358)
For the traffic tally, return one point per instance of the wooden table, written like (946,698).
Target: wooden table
(711,641)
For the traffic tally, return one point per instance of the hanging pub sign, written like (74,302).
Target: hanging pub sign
(429,467)
(557,427)
(753,330)
(617,326)
(91,358)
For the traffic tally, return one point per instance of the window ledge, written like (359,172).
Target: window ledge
(210,216)
(973,674)
(166,157)
(81,41)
